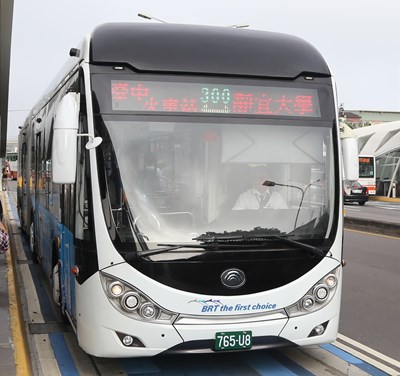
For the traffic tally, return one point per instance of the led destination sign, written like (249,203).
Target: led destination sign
(144,96)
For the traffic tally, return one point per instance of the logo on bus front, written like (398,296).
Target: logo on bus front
(213,306)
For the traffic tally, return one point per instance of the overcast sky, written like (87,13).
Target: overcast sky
(360,39)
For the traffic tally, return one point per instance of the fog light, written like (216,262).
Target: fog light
(319,329)
(127,340)
(308,302)
(147,311)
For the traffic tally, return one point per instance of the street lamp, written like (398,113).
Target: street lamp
(147,17)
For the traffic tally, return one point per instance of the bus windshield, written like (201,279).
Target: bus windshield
(185,179)
(192,159)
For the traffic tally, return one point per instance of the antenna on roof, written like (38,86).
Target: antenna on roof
(147,17)
(239,26)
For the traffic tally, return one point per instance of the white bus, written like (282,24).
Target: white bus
(367,174)
(130,170)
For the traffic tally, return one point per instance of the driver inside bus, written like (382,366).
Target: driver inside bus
(259,196)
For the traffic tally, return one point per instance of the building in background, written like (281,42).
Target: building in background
(363,118)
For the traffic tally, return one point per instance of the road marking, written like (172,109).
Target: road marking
(372,369)
(320,361)
(62,354)
(352,209)
(46,359)
(386,206)
(369,350)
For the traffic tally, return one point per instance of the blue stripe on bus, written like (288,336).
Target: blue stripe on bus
(370,369)
(62,355)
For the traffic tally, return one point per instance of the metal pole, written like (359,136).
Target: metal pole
(392,180)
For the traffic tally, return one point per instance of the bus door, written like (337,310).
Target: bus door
(67,251)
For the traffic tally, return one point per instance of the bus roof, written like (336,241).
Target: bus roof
(175,48)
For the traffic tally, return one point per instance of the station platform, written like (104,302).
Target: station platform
(7,362)
(14,355)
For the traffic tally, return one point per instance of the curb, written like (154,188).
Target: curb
(384,199)
(375,227)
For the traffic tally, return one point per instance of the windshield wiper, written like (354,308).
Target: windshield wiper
(206,244)
(231,242)
(257,240)
(307,247)
(168,247)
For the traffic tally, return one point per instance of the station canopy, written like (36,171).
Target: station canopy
(378,139)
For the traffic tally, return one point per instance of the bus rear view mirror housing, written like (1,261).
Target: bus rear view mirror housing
(350,153)
(65,139)
(65,136)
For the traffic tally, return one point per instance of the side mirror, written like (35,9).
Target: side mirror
(350,153)
(64,146)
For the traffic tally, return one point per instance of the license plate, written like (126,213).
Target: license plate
(357,190)
(233,340)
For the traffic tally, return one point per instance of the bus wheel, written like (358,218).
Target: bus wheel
(32,243)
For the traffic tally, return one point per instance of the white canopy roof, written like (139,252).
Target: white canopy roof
(378,139)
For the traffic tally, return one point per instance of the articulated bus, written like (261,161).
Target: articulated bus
(131,167)
(367,174)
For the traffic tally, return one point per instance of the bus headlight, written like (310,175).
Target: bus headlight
(115,289)
(317,297)
(132,302)
(330,280)
(321,292)
(147,310)
(308,302)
